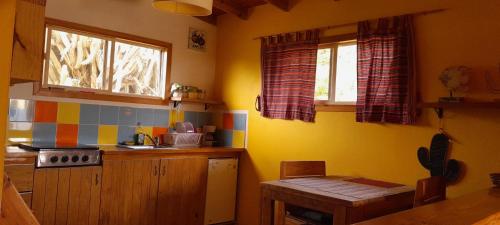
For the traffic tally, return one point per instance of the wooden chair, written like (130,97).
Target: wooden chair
(296,169)
(430,190)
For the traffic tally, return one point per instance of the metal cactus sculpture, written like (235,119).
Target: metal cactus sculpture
(435,159)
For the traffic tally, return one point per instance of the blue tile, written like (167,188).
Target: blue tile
(108,115)
(146,117)
(192,117)
(21,110)
(161,117)
(228,138)
(87,134)
(125,133)
(240,121)
(128,116)
(89,114)
(44,132)
(205,118)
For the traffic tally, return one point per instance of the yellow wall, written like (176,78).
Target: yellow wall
(7,9)
(466,34)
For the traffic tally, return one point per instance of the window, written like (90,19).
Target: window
(106,64)
(336,73)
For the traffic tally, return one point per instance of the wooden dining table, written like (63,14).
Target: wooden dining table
(349,199)
(465,210)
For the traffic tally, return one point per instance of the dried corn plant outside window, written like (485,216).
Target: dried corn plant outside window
(137,70)
(76,60)
(82,61)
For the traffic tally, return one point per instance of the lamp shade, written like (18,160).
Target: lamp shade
(185,7)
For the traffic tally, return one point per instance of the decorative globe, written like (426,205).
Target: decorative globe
(455,78)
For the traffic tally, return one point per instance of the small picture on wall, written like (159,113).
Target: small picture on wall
(197,39)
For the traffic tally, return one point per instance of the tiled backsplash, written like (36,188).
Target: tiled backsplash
(74,123)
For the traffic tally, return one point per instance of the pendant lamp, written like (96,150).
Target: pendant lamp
(185,7)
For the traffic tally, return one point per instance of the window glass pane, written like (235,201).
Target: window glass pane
(76,60)
(323,74)
(346,73)
(137,70)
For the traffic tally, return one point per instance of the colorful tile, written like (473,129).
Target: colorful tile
(158,131)
(146,130)
(126,134)
(240,121)
(107,135)
(228,121)
(20,110)
(146,117)
(87,134)
(44,132)
(20,130)
(192,117)
(217,120)
(68,113)
(162,117)
(238,139)
(89,114)
(45,112)
(228,138)
(67,134)
(177,116)
(128,116)
(204,118)
(108,115)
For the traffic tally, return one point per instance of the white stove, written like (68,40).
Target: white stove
(51,155)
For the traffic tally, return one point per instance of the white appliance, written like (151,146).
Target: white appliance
(221,190)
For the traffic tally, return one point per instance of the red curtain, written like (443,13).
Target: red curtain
(288,76)
(386,72)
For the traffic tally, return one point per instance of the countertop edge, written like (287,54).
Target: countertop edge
(16,152)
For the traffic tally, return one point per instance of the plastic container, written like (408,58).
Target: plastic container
(183,139)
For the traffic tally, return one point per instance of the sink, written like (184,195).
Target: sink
(146,147)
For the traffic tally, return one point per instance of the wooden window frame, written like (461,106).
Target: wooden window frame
(79,93)
(327,105)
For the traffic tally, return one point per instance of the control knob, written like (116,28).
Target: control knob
(54,159)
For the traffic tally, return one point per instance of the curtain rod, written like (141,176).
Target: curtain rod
(354,23)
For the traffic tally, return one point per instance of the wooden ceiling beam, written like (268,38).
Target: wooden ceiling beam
(284,5)
(212,19)
(229,7)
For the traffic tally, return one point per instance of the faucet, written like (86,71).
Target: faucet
(155,140)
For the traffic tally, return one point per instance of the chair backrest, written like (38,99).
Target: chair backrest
(297,169)
(430,190)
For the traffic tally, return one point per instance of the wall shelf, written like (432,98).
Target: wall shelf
(439,107)
(207,103)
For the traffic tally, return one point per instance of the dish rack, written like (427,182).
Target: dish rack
(183,139)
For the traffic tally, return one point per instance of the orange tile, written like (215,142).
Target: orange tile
(157,131)
(228,121)
(67,134)
(160,132)
(45,111)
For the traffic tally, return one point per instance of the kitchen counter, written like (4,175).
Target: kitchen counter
(109,151)
(16,152)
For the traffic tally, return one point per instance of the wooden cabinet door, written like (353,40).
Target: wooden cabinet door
(69,196)
(27,54)
(129,192)
(182,190)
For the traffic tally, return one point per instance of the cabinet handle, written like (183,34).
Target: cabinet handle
(155,171)
(96,179)
(163,171)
